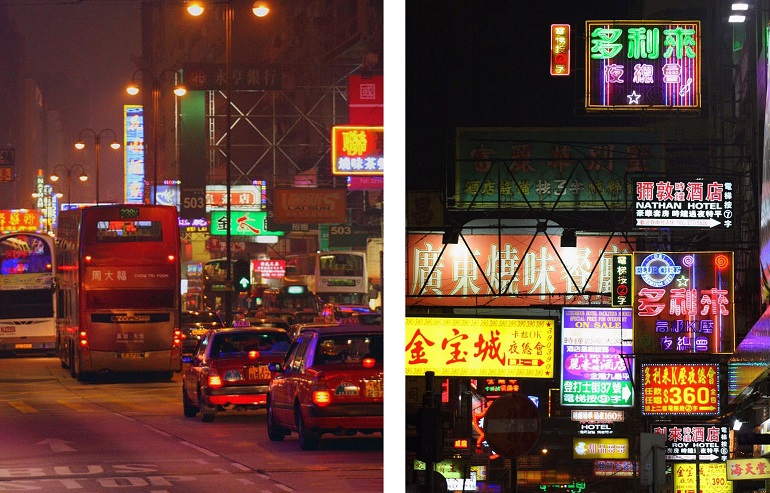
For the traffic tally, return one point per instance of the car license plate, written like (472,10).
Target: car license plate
(23,346)
(261,372)
(373,388)
(131,355)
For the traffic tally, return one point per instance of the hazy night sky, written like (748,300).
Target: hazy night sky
(92,42)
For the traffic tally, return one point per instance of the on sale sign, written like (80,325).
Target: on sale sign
(683,388)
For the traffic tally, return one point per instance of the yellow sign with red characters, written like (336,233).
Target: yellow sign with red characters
(20,221)
(746,468)
(480,347)
(710,477)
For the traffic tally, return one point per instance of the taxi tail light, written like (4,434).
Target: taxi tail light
(321,394)
(214,380)
(369,362)
(88,258)
(253,354)
(83,340)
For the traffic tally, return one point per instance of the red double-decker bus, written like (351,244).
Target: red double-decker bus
(118,289)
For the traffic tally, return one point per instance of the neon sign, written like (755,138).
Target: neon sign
(133,165)
(683,389)
(560,62)
(357,150)
(683,303)
(643,65)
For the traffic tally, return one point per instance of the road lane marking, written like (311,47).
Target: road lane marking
(23,407)
(76,406)
(199,449)
(283,487)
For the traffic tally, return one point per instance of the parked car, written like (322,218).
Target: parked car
(331,381)
(229,370)
(194,324)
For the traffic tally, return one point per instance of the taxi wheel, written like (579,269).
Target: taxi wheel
(308,440)
(189,408)
(275,432)
(207,413)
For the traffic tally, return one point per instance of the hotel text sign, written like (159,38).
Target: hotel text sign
(684,202)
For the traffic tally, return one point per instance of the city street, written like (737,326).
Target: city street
(61,435)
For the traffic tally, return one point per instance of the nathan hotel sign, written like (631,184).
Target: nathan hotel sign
(643,65)
(683,202)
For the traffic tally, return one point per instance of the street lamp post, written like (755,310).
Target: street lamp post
(68,169)
(81,144)
(260,9)
(133,89)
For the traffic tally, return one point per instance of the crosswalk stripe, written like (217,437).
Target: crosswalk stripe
(76,406)
(23,407)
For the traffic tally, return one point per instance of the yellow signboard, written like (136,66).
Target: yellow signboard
(742,469)
(710,479)
(479,347)
(600,448)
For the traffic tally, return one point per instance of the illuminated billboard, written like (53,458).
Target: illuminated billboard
(242,197)
(449,276)
(244,223)
(710,477)
(695,442)
(133,143)
(684,203)
(600,448)
(567,168)
(594,369)
(357,150)
(683,303)
(643,65)
(479,347)
(681,389)
(560,61)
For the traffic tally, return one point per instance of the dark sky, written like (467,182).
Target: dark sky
(486,63)
(91,42)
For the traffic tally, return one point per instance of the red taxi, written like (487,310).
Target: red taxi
(330,382)
(229,370)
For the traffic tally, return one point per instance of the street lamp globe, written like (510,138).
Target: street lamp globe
(83,177)
(195,8)
(115,144)
(80,144)
(132,89)
(180,90)
(260,9)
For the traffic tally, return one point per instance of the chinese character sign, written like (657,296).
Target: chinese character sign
(693,203)
(695,442)
(357,150)
(479,347)
(748,469)
(21,221)
(564,168)
(517,270)
(680,389)
(643,65)
(710,477)
(683,303)
(594,371)
(600,448)
(622,279)
(560,62)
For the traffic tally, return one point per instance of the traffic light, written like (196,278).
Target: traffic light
(242,275)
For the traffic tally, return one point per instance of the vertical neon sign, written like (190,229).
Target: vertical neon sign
(133,165)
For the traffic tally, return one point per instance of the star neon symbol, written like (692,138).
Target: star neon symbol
(633,98)
(682,282)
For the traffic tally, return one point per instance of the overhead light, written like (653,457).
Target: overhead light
(737,424)
(736,18)
(568,238)
(451,236)
(740,6)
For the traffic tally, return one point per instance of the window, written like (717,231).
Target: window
(348,349)
(128,231)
